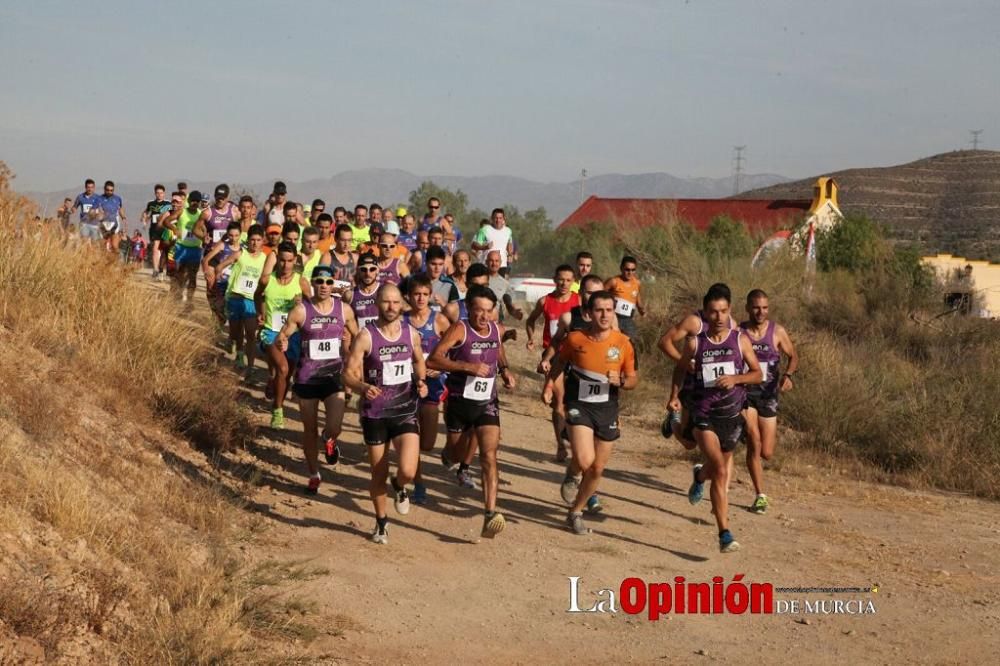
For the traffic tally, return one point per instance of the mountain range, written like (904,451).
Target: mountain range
(393,186)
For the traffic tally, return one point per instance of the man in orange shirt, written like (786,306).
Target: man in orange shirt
(599,361)
(271,238)
(628,302)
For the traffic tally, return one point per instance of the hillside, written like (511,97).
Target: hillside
(392,186)
(946,203)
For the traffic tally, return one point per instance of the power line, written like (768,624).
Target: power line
(583,180)
(975,138)
(738,161)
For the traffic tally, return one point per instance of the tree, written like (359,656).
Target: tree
(854,244)
(451,202)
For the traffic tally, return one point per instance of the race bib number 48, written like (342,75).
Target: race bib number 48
(710,372)
(397,372)
(478,388)
(324,350)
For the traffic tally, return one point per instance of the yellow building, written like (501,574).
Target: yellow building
(980,279)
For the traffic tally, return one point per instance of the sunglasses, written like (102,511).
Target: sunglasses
(327,281)
(370,269)
(435,207)
(384,246)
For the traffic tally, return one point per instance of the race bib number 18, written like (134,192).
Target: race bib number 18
(247,285)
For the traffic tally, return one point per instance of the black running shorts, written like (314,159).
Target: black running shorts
(766,405)
(727,428)
(382,431)
(319,391)
(602,419)
(461,414)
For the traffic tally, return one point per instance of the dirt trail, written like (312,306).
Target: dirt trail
(438,593)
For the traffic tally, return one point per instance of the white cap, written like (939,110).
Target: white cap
(392,227)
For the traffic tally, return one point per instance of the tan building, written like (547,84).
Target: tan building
(973,283)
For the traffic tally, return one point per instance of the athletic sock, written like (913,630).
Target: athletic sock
(395,484)
(381,523)
(463,467)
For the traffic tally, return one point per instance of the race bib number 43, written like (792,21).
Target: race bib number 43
(397,372)
(623,307)
(478,388)
(710,372)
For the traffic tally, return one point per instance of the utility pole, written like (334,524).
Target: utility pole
(583,179)
(975,138)
(738,161)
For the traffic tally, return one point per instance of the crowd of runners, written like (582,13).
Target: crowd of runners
(396,311)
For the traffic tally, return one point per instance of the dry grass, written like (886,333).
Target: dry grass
(113,547)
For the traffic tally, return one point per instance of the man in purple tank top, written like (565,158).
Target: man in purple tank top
(390,267)
(327,325)
(770,341)
(473,356)
(678,423)
(386,367)
(364,295)
(723,362)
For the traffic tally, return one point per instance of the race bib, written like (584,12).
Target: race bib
(478,388)
(710,372)
(623,307)
(763,370)
(86,208)
(278,320)
(553,326)
(395,373)
(324,350)
(246,286)
(154,218)
(594,391)
(109,225)
(364,321)
(218,234)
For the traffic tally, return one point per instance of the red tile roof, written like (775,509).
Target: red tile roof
(757,214)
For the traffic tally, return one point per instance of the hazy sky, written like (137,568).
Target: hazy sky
(250,91)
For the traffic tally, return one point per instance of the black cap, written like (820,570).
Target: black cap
(222,190)
(367,259)
(322,271)
(194,197)
(279,188)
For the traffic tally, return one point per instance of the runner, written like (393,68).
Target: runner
(375,213)
(318,208)
(217,282)
(247,266)
(584,265)
(151,216)
(444,293)
(678,423)
(85,201)
(501,287)
(628,301)
(277,293)
(343,261)
(218,216)
(472,355)
(599,362)
(431,326)
(408,233)
(272,238)
(363,297)
(770,341)
(360,231)
(324,223)
(108,212)
(326,326)
(418,258)
(273,212)
(460,261)
(311,256)
(551,307)
(577,319)
(185,224)
(391,269)
(386,367)
(497,236)
(716,404)
(248,215)
(431,218)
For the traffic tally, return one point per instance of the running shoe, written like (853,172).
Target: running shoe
(241,361)
(332,451)
(277,418)
(759,505)
(419,494)
(313,487)
(594,505)
(401,502)
(465,479)
(574,520)
(381,535)
(568,488)
(697,489)
(561,454)
(493,524)
(727,543)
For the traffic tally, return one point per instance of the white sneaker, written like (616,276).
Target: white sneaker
(402,502)
(381,536)
(568,489)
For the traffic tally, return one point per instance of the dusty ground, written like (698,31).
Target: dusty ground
(438,593)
